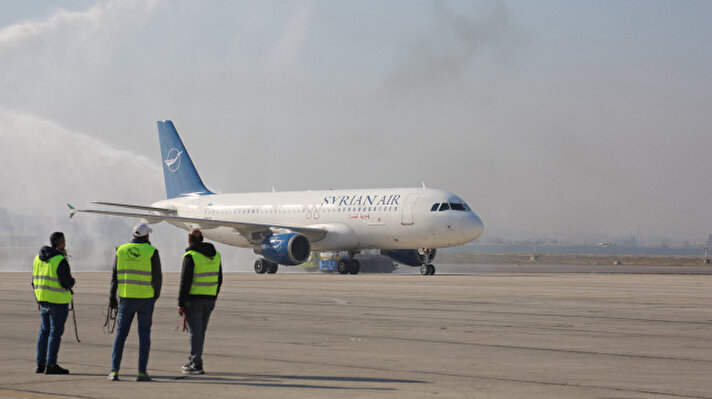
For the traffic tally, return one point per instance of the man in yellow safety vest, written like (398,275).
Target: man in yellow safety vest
(52,282)
(201,278)
(137,277)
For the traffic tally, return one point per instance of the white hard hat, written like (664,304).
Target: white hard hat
(141,230)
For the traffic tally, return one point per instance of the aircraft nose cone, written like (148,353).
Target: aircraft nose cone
(476,227)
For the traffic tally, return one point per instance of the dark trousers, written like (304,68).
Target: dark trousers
(53,318)
(197,321)
(128,307)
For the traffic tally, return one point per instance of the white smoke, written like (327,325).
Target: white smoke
(95,16)
(293,37)
(451,48)
(51,164)
(48,166)
(539,128)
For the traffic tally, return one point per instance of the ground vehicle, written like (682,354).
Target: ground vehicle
(333,262)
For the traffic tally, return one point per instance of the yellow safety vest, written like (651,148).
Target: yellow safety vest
(46,281)
(205,274)
(133,270)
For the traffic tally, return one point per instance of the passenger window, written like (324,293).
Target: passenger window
(457,207)
(434,207)
(444,207)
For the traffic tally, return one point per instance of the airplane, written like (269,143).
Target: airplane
(405,224)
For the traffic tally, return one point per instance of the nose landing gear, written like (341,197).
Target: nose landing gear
(427,270)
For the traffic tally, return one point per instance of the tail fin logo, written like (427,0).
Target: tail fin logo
(173,161)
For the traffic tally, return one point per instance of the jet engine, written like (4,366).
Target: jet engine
(285,249)
(410,257)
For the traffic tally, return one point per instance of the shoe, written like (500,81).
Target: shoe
(143,377)
(186,367)
(193,369)
(113,376)
(55,369)
(40,369)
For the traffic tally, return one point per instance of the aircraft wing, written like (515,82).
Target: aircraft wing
(255,233)
(165,211)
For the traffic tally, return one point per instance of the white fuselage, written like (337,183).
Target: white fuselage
(398,218)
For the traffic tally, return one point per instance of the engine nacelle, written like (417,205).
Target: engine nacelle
(410,257)
(285,249)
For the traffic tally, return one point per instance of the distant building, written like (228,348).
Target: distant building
(631,241)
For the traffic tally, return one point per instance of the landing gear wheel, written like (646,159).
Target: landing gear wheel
(355,266)
(427,270)
(260,266)
(344,266)
(272,268)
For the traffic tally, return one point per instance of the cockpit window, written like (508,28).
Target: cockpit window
(434,207)
(444,207)
(457,206)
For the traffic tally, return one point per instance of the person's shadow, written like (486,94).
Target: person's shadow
(273,380)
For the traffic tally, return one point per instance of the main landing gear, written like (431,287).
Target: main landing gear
(348,265)
(264,266)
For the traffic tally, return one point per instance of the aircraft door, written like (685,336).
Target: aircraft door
(407,209)
(312,212)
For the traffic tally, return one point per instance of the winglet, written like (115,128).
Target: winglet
(72,210)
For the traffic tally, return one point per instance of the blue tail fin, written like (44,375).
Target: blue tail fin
(178,170)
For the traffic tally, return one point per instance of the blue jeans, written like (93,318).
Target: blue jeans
(53,318)
(197,321)
(128,307)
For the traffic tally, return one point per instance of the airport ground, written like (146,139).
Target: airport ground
(485,331)
(469,257)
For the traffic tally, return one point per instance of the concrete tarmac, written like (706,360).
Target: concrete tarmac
(489,335)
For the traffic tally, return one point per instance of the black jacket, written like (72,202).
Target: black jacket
(156,275)
(63,272)
(186,275)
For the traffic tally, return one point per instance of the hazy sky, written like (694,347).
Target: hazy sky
(558,118)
